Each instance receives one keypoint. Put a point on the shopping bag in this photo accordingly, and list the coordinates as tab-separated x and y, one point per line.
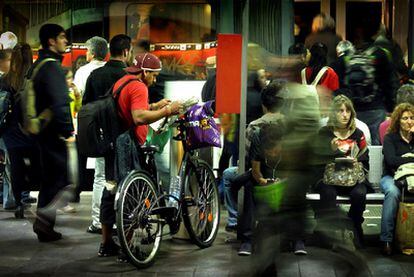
270	195
202	130
405	228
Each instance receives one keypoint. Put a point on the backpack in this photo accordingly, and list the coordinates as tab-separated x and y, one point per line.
360	76
32	122
318	77
6	104
99	124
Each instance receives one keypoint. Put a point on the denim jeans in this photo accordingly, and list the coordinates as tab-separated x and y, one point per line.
373	119
389	208
6	191
229	198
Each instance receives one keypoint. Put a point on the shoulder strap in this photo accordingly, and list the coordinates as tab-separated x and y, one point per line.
320	75
303	74
121	87
39	65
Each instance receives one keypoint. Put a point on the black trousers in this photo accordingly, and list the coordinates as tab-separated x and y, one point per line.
22	175
53	154
357	193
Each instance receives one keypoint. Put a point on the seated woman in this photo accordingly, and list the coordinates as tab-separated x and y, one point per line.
397	142
340	139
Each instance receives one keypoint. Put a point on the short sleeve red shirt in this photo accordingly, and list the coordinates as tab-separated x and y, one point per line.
134	96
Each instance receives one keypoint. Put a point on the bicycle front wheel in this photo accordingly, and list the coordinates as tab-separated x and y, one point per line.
201	206
139	230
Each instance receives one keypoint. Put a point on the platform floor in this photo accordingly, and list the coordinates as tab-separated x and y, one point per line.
76	255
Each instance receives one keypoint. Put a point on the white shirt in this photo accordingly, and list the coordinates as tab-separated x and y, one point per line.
82	74
359	124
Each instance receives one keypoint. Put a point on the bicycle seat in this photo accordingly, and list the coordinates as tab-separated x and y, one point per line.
150	148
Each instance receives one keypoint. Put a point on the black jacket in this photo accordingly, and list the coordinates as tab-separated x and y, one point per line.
102	79
52	92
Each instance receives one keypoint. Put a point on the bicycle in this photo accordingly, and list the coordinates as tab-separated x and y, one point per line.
143	208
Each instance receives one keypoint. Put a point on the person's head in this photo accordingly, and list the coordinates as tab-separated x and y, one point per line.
405	94
120	47
142	46
271	140
5	58
97	48
53	37
322	22
68	75
402	118
319	53
259	79
345	47
147	67
271	101
342	114
8	40
21	60
301	50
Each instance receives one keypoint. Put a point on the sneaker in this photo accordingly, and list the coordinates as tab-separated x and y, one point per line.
300	248
29	200
68	209
94	230
109	249
231	228
245	249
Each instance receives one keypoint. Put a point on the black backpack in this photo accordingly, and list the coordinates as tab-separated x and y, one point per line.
6	104
99	124
360	76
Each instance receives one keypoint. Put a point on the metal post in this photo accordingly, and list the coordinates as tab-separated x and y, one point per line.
243	96
411	34
286	25
226	17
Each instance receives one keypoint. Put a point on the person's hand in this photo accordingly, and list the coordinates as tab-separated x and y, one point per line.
176	107
262	181
412	130
70	139
334	144
161	104
76	92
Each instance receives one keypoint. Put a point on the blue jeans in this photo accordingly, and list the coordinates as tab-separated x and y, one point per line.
6	191
229	198
389	208
373	119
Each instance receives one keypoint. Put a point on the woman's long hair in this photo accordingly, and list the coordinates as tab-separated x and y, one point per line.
318	59
335	106
396	116
21	61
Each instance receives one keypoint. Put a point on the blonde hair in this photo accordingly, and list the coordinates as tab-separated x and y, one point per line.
337	102
322	22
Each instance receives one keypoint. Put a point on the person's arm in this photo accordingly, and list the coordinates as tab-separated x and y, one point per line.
159	105
387	79
143	117
88	93
390	155
257	174
54	85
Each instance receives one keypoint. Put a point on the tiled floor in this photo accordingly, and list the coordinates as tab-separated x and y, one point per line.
22	255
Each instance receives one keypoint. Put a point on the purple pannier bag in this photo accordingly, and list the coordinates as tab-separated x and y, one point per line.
202	130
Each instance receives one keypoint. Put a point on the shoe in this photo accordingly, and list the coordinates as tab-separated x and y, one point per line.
45	233
94	230
231	228
387	249
245	249
300	248
109	249
68	209
19	212
122	257
359	238
29	200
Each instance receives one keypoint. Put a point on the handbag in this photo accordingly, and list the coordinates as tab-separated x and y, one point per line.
344	174
404	231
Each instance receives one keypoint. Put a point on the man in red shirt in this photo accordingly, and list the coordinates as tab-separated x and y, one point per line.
134	110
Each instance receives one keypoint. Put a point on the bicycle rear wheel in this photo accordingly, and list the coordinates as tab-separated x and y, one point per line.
201	206
139	230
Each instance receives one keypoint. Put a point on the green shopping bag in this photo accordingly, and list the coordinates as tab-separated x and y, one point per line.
159	140
270	195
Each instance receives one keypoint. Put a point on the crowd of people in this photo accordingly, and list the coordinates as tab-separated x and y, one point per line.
309	132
